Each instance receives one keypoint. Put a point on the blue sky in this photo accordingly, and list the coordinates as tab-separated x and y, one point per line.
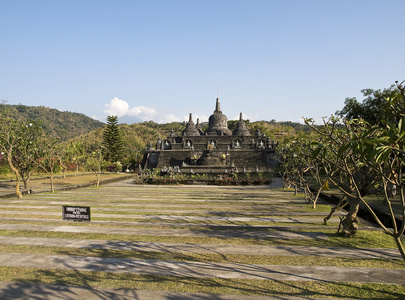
163	59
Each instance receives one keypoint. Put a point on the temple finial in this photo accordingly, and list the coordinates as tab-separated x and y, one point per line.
190	118
218	105
240	117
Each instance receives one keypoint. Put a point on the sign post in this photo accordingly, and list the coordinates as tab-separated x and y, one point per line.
76	213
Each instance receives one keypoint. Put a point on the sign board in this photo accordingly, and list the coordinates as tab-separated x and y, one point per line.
76	213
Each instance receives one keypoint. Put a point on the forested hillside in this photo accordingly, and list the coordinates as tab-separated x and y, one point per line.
70	125
83	136
57	123
137	136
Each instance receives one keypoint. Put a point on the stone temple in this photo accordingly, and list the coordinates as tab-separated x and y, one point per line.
217	150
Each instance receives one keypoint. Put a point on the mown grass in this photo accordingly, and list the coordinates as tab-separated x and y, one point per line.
71	179
363	239
157	212
165	223
304	260
258	199
277	288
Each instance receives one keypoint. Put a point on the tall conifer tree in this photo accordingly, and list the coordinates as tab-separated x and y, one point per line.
112	140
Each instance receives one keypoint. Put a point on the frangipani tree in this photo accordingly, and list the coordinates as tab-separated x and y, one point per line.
18	143
342	165
94	163
357	156
299	168
48	153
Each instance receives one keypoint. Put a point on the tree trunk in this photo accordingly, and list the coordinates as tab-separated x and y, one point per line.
51	178
349	222
25	179
400	246
342	203
17	175
317	197
17	188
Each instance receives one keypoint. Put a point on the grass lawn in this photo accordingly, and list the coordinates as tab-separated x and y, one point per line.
122	205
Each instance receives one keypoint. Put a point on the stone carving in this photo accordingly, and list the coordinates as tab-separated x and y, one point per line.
188	144
166	145
237	144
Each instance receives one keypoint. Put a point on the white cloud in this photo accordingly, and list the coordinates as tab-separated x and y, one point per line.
117	107
142	112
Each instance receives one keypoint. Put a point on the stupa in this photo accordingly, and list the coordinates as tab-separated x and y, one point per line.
217	150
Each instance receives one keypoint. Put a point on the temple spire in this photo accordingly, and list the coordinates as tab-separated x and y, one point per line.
218	105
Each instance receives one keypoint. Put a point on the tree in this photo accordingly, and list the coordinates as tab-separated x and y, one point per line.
94	164
341	164
24	156
48	153
112	140
4	168
298	168
376	106
61	156
18	142
364	156
383	151
75	153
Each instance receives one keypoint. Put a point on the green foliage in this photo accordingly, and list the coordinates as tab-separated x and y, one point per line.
93	163
48	151
135	137
232	124
298	166
57	123
112	140
19	141
4	169
165	128
363	155
279	130
156	177
376	106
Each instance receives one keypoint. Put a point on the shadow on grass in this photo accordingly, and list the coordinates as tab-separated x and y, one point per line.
81	285
77	277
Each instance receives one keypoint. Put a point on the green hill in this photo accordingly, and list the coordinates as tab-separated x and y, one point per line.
63	124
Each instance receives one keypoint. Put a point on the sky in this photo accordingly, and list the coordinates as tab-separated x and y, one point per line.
160	60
